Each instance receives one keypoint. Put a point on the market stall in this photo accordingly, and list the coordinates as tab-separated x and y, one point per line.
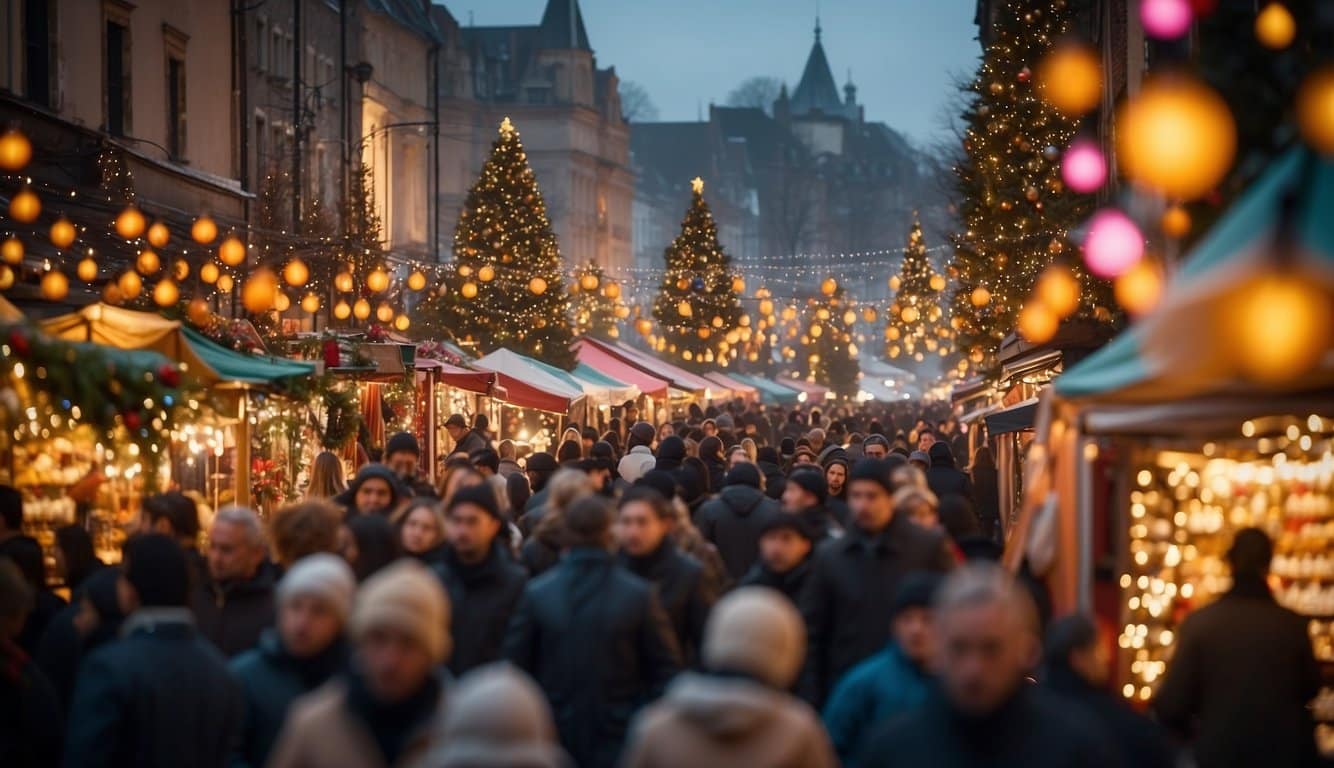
444	389
1152	453
739	389
770	392
653	390
538	402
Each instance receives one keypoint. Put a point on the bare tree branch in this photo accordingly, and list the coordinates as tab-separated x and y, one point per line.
759	91
636	105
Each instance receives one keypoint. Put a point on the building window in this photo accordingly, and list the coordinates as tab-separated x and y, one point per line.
37	48
116	90
176	107
261	144
262	44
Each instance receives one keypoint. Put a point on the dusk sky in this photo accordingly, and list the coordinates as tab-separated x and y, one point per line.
903	53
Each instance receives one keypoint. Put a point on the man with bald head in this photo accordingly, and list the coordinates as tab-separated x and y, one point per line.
984	712
235	603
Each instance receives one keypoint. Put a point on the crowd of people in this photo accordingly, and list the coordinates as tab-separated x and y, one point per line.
737	588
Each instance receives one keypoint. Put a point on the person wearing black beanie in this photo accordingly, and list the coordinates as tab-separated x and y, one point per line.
671	452
771	465
733	520
162	694
784	556
805	494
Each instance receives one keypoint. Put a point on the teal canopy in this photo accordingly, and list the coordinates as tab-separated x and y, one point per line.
1160	357
244	369
771	393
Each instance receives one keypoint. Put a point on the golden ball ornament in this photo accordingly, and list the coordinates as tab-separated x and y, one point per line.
310	303
469	290
130	222
25	206
55	286
111	294
980	297
1058	289
1138	289
1069	78
937	283
1037	323
684	309
1315	110
822	313
716	322
1175	222
588	281
378	280
612	291
621	312
87	270
704	332
204	230
11	251
180	269
643	326
148	262
869	314
226	283
343	282
130	284
738	285
895	283
158	235
829	286
232	251
1275	27
416	280
465	270
537	286
62	233
166	293
282	303
341	310
487	273
1177	137
199	312
766	307
15	150
909	314
402	323
384	313
209	273
361	309
260	291
849	317
296	273
6	277
1282	327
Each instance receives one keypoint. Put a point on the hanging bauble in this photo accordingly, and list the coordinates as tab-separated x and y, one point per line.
341	310
1315	110
588	281
130	222
232	251
416	280
1037	323
1176	137
55	286
378	280
11	251
361	309
697	284
130	284
25	206
909	314
703	332
829	286
203	230
684	309
869	315
1058	289
209	272
937	283
1166	19
1113	245
180	269
165	293
111	294
87	270
895	283
1175	222
1275	27
310	303
199	312
717	321
158	235
537	285
148	262
487	273
738	285
1070	79
296	273
612	291
281	303
226	283
6	277
980	297
62	233
1138	289
1024	75
343	282
1281	327
621	312
15	150
849	317
402	323
384	313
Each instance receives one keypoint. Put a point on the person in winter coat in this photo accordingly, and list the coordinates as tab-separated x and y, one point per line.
853	580
891	682
30	715
26	554
374	491
836	467
543	548
785	556
804	496
986	493
402	454
383	712
497	718
984	712
737	711
1075	669
1243	672
161	696
92	620
541	468
942	477
715	465
466	440
734	520
638	457
371	544
770	465
594	637
643	523
235	604
509	459
296	657
484	584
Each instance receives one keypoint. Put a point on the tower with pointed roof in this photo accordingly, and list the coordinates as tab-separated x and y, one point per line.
815	112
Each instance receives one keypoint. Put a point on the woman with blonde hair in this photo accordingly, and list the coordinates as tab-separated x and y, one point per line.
421	529
752	450
326	477
543	548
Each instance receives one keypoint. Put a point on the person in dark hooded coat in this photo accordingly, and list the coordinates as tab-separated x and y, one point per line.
375	490
711	454
770	465
735	519
942	477
92	619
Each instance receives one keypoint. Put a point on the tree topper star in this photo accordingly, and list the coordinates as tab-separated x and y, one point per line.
506	127
697	184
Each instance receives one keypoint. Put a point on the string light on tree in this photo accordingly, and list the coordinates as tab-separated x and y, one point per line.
917	313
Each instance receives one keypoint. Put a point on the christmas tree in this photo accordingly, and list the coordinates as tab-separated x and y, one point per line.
915	327
829	350
595	303
698	307
1016	213
506	289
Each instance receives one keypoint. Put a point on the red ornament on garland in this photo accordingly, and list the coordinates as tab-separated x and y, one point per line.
132	420
1025	75
18	341
169	375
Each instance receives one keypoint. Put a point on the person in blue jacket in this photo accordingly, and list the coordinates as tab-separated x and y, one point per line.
892	681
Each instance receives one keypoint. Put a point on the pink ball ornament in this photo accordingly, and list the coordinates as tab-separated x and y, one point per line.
1166	19
1113	245
1083	168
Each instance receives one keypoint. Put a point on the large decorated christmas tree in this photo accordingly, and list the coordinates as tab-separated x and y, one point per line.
916	326
1015	211
595	303
506	288
698	307
829	351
